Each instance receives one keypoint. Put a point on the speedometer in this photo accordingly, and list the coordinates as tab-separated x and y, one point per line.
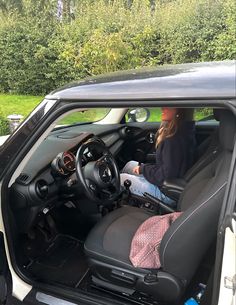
68	161
64	163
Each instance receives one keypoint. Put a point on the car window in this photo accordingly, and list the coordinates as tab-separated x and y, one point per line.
155	115
200	114
87	116
203	114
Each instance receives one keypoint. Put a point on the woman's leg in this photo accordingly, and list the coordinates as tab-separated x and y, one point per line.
139	185
129	166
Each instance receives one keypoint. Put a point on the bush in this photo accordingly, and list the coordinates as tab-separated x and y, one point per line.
104	53
40	53
224	44
4	125
30	61
189	29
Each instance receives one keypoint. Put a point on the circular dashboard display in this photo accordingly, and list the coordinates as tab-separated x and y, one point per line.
68	161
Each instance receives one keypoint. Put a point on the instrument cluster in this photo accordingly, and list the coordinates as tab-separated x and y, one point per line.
64	163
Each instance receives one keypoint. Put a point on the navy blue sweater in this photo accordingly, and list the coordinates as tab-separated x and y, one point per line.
174	156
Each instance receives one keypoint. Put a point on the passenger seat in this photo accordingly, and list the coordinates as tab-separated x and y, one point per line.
210	146
174	187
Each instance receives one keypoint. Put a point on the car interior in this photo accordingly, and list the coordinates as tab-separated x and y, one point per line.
72	222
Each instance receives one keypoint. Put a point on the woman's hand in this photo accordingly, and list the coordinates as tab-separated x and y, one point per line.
136	170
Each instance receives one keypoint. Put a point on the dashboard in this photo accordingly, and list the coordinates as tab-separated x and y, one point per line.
49	177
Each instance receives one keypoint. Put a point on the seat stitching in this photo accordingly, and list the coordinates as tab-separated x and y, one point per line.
188	219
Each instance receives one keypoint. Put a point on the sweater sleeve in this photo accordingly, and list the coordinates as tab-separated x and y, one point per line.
172	157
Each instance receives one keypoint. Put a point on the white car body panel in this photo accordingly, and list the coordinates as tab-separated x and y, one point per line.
20	289
3	139
226	296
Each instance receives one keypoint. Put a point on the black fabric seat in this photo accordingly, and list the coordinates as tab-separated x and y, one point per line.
184	244
108	242
207	151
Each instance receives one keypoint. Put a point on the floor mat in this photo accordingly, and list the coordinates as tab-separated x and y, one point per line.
62	262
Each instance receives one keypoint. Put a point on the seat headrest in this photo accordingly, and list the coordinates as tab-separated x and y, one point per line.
227	129
216	113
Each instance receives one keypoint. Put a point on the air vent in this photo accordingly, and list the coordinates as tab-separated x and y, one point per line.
23	179
41	188
125	132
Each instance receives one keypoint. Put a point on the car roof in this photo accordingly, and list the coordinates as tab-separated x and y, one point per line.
210	80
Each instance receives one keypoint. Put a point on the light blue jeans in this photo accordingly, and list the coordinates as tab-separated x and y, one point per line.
140	184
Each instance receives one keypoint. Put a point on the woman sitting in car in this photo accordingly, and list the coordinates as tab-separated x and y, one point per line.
175	146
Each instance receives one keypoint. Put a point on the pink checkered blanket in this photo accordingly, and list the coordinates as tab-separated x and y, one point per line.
144	252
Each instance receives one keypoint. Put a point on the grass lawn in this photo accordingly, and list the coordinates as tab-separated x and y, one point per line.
18	104
24	104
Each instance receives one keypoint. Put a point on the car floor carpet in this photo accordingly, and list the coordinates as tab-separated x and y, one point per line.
63	262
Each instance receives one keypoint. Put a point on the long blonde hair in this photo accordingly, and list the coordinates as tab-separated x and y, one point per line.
169	128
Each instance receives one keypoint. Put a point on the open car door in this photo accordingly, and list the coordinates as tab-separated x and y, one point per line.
228	272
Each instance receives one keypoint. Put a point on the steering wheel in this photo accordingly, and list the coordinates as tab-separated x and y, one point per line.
99	178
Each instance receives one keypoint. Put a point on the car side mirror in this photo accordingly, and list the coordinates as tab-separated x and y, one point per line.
138	115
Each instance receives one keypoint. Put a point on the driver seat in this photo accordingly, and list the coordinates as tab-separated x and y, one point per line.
184	244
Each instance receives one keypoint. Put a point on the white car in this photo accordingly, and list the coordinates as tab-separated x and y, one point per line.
66	223
3	139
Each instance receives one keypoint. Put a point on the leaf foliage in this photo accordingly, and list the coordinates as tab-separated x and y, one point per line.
39	52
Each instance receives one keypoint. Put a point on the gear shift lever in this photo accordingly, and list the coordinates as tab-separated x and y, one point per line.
127	185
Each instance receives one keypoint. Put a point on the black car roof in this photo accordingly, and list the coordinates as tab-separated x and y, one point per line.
211	80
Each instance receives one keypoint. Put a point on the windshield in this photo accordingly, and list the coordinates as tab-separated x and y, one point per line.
85	116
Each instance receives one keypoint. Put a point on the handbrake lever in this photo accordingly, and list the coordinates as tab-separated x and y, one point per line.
158	202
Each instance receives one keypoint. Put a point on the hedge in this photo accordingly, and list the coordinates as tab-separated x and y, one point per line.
38	52
4	125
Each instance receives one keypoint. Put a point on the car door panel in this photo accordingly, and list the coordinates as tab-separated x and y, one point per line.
139	145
